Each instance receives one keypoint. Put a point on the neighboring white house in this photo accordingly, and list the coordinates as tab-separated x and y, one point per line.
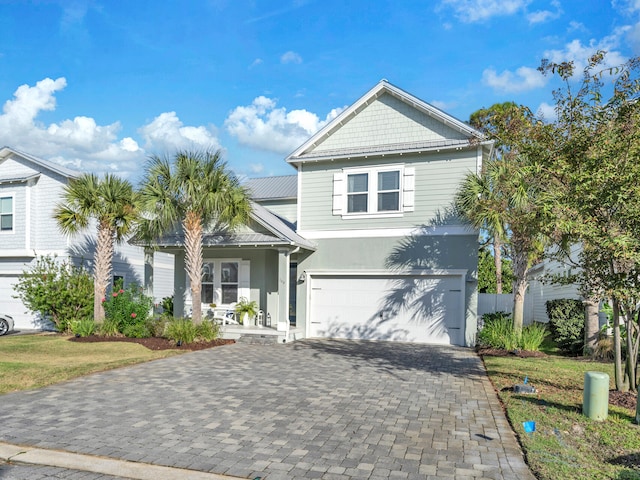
30	189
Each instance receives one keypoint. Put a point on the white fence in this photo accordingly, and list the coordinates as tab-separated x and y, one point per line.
493	302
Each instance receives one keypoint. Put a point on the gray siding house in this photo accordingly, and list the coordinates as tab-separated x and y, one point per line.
30	188
361	243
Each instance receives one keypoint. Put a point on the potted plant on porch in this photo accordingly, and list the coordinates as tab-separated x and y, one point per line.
246	310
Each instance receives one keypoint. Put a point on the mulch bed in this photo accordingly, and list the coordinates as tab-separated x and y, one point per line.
154	343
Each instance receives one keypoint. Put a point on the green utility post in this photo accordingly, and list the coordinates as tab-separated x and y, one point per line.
595	403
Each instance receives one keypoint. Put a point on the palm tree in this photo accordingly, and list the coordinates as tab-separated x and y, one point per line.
480	202
196	190
112	203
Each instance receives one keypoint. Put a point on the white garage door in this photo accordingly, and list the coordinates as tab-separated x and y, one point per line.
13	306
422	309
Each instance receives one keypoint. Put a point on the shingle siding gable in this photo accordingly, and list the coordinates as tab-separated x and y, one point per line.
387	121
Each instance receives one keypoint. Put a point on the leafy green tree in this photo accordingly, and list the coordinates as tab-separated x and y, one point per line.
111	203
487	279
57	290
507	198
593	174
194	191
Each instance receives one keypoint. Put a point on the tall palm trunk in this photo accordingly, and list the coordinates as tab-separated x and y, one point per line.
497	258
102	267
192	226
520	271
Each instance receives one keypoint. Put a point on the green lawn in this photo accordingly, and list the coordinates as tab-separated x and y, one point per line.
566	444
32	361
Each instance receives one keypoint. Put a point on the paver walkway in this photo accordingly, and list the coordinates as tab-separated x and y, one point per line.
311	409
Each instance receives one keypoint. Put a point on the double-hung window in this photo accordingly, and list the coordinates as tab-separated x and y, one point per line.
380	191
389	191
6	214
358	192
220	281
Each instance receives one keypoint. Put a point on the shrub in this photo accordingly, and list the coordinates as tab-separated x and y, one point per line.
157	326
167	306
128	309
57	290
207	330
136	330
181	330
84	327
533	336
109	327
566	322
498	332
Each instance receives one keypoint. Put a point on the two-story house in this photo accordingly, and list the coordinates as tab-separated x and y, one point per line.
361	243
30	189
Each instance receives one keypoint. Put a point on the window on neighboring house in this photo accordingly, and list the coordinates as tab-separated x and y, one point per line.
6	214
220	282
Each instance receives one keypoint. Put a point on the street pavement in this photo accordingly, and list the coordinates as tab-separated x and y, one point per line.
325	409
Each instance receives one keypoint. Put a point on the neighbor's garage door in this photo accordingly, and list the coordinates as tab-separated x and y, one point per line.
13	306
422	309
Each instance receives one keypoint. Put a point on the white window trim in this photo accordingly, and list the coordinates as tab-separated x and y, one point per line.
11	195
243	280
405	196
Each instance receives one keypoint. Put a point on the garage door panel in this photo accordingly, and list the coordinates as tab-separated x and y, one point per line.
13	306
413	308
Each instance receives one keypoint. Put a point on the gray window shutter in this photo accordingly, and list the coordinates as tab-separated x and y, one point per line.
339	193
408	189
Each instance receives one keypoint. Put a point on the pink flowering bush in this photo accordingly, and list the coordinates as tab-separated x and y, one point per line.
127	311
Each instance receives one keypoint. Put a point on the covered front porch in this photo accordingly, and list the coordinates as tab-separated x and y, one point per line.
257	264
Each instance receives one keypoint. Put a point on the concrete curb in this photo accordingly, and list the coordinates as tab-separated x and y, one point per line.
107	466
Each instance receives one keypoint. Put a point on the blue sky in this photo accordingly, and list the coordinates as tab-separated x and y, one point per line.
99	85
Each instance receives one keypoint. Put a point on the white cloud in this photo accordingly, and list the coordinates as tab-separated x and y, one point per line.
257	62
166	132
578	53
575	26
290	57
471	11
523	79
256	167
263	126
542	16
627	6
547	112
80	143
444	106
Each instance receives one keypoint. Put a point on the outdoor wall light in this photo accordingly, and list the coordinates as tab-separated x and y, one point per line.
303	277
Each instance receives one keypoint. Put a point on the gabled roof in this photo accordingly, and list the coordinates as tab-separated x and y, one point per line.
273	188
467	135
278	233
51	166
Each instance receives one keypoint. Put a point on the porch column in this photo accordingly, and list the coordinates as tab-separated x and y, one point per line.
179	284
284	261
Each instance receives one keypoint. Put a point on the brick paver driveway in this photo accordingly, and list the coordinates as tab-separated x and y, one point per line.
312	409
